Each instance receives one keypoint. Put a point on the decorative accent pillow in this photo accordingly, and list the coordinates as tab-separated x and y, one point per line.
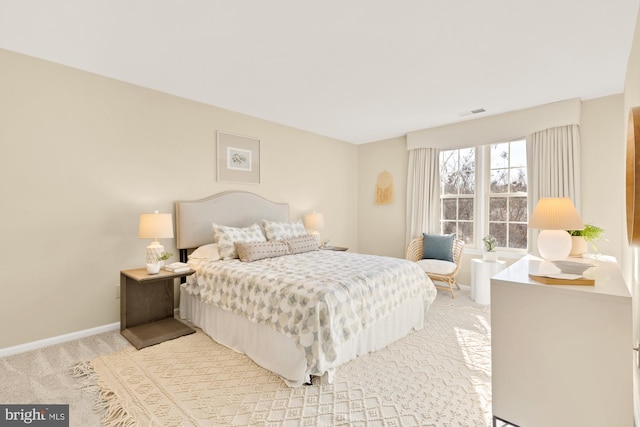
225	237
210	252
283	230
306	243
438	246
253	251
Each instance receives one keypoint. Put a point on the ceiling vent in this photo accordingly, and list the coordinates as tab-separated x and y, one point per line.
476	111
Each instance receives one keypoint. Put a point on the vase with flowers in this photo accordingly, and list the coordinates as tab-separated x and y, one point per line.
154	268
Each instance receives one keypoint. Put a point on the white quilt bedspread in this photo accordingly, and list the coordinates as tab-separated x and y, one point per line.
320	299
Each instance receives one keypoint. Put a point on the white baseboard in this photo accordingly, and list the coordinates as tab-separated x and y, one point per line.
8	351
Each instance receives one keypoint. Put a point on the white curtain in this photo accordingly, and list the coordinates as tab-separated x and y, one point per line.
553	165
423	193
553	157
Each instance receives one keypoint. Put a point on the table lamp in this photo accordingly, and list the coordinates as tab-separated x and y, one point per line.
155	226
314	222
554	216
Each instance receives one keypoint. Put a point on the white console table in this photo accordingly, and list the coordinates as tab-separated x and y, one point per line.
481	273
561	354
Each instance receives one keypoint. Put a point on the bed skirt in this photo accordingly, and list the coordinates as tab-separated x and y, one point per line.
278	353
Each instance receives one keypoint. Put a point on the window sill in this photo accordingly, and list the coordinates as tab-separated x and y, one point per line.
501	254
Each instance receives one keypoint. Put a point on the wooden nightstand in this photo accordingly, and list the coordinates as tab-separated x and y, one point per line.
146	307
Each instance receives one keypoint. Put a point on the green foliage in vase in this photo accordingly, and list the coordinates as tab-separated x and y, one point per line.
590	232
490	242
164	256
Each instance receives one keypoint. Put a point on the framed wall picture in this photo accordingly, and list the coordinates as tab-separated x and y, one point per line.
238	158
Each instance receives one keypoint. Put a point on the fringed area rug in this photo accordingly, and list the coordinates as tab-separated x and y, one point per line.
439	376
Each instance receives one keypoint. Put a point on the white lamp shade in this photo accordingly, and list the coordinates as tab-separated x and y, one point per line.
155	226
556	213
314	221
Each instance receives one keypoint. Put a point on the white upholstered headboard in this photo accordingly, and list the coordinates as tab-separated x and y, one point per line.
194	218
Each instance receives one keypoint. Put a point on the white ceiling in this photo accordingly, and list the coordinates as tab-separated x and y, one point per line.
355	70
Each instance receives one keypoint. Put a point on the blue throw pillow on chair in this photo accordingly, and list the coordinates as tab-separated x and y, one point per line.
438	246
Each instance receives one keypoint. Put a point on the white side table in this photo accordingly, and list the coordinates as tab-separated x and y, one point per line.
481	273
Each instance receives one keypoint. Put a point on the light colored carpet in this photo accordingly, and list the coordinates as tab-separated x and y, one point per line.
439	376
43	377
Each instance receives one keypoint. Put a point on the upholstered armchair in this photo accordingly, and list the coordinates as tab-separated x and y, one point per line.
438	270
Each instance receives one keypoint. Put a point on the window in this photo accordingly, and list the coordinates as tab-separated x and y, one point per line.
500	195
457	193
507	195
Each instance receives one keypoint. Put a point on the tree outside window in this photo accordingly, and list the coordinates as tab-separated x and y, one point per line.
501	195
508	194
457	193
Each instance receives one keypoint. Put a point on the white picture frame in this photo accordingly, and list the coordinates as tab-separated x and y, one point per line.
238	158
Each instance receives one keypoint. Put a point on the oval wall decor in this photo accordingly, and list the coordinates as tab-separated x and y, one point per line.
384	188
633	177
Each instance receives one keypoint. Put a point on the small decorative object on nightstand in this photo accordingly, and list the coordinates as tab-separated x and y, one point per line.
146	307
154	267
334	248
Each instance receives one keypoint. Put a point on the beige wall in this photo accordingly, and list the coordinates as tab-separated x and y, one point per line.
381	227
83	156
603	162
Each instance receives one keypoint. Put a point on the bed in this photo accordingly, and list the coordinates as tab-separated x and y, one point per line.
296	310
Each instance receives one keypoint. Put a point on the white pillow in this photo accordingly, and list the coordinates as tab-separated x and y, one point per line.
225	237
209	252
283	230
